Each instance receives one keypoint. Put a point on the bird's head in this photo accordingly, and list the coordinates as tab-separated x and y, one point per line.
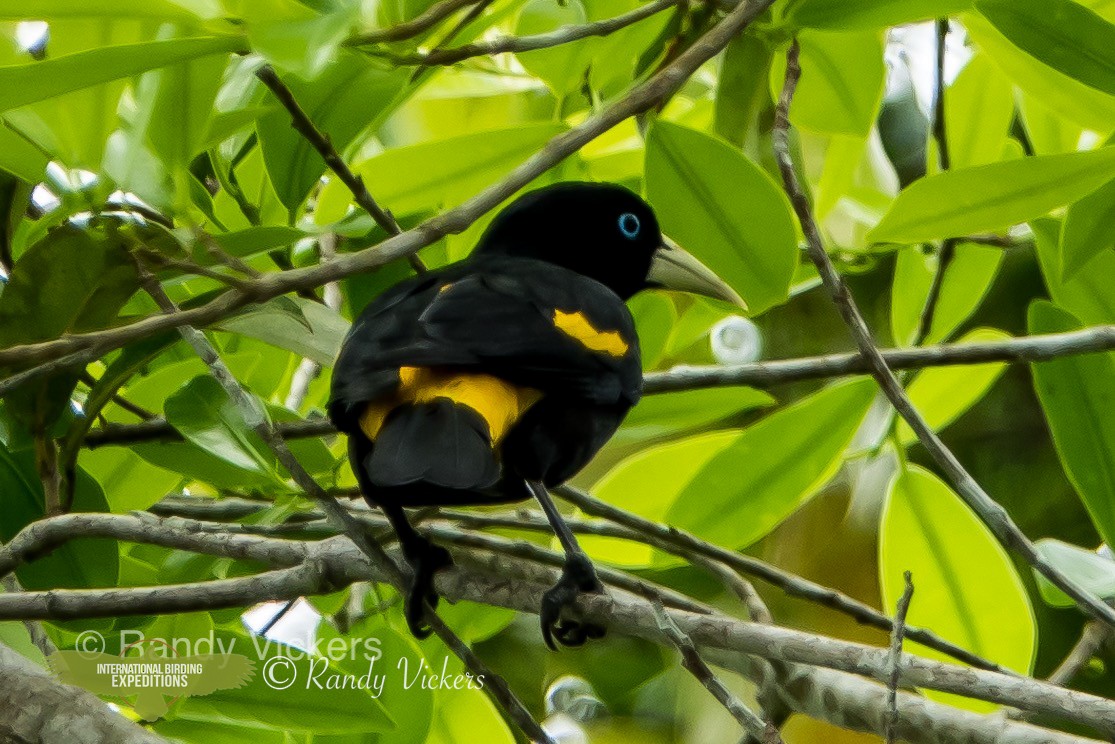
603	231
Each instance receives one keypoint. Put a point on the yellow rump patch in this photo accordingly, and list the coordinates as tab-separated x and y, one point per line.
577	326
497	401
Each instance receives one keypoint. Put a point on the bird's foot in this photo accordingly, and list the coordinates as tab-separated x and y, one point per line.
425	563
577	577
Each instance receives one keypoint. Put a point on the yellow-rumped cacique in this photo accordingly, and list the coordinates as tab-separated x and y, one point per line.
497	377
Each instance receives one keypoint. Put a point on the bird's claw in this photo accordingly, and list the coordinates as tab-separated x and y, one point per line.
425	564
577	577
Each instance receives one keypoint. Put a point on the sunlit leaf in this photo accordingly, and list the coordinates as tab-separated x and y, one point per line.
1089	230
992	197
871	13
1089	294
965	587
841	82
696	184
24	84
1061	33
943	394
437	174
968	278
733	487
205	415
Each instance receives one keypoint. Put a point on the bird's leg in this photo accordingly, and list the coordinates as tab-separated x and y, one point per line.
425	558
577	576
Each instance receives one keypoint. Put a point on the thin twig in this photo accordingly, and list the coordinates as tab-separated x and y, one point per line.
896	637
990	512
1091	641
305	126
520	44
940	135
682	543
84	347
426	20
702	672
255	417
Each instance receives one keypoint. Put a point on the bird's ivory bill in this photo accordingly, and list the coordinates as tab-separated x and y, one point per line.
675	268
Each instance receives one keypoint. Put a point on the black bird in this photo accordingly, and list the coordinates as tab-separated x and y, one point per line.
491	379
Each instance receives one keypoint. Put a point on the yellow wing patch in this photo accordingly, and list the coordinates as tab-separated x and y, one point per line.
577	326
498	402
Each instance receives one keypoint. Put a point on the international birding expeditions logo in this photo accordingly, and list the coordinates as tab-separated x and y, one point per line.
150	674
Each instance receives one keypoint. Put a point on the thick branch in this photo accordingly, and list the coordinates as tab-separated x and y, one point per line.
990	512
336	562
39	709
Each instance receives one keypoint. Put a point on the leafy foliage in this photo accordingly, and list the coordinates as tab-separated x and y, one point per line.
135	139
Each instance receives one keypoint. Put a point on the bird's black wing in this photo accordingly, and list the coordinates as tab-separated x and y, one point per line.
530	323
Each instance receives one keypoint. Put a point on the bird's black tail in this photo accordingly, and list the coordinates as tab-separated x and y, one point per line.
438	443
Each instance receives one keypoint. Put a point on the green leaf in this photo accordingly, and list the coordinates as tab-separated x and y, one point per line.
78	564
992	197
667	414
742	92
1064	96
205	416
1089	294
431	175
343	101
15	636
980	93
1089	230
841	82
875	14
734	487
303	707
1077	394
654	315
1061	33
24	84
965	587
561	67
71	281
316	333
1092	572
125	10
183	107
297	40
942	394
968	278
697	184
20	158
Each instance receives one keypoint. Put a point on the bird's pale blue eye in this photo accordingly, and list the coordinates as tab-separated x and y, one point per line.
629	225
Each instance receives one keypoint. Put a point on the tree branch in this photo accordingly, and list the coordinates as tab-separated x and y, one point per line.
757	374
895	660
39	709
519	44
85	347
990	512
424	21
305	126
695	665
335	562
